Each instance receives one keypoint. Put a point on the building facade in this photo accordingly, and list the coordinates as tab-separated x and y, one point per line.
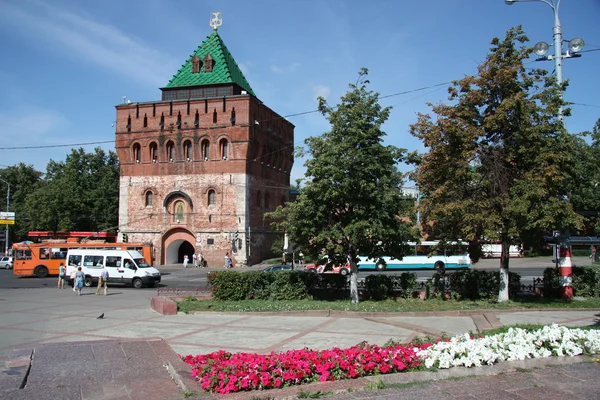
201	166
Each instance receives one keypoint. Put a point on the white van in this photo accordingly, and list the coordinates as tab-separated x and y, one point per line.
126	267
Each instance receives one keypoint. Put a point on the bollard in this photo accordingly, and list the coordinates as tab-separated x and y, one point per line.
565	270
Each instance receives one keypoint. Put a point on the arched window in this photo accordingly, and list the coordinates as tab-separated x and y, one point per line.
137	157
170	151
148	199
178	212
267	200
187	150
212	198
154	152
205	149
224	149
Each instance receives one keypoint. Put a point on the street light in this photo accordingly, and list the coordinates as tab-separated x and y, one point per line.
541	48
7	210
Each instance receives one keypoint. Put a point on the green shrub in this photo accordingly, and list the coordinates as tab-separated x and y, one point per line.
476	284
551	284
407	282
287	285
586	281
231	285
378	287
260	285
235	286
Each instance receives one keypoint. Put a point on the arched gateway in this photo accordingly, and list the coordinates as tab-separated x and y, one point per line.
176	243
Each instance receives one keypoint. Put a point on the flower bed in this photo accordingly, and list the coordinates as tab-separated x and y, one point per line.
516	344
224	372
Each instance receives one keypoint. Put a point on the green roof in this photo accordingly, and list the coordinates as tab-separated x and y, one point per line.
224	71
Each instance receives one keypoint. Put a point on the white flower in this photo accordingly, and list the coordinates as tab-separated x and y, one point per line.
515	344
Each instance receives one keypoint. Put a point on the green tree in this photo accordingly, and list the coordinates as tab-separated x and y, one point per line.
584	188
23	180
81	193
499	159
351	202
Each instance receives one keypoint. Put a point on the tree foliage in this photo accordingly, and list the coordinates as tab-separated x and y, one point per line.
23	180
78	194
352	201
584	188
499	158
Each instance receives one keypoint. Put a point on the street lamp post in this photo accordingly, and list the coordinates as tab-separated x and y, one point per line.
7	210
541	48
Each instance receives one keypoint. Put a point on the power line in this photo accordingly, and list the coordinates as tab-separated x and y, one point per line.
264	120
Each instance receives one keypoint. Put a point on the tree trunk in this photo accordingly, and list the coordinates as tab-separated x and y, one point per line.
354	282
503	294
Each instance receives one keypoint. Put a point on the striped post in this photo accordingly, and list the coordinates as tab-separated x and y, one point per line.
565	270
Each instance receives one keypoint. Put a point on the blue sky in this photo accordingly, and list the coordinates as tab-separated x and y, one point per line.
67	63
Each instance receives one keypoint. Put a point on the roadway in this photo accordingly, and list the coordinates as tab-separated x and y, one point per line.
176	275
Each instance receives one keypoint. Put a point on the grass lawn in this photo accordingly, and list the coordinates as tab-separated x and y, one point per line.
399	305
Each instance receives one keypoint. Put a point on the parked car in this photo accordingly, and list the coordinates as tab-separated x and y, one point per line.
325	266
6	262
274	268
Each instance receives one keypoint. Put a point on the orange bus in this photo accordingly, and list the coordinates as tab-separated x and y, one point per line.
43	259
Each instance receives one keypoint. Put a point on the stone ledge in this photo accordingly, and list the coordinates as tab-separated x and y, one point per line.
163	305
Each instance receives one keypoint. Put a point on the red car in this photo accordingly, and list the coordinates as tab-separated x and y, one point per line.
326	267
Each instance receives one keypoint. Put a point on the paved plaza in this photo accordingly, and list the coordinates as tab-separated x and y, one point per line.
134	349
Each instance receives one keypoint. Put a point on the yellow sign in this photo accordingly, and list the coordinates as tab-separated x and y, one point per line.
7	221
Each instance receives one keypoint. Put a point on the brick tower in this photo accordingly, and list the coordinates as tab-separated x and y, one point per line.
201	166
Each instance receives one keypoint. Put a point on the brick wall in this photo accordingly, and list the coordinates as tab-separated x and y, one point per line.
251	179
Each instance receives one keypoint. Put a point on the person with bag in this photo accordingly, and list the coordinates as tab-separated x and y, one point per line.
79	275
102	281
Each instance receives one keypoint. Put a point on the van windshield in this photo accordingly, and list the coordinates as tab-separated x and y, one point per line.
141	263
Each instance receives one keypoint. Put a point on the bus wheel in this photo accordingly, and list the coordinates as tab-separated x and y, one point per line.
439	267
380	266
343	272
41	271
87	281
137	283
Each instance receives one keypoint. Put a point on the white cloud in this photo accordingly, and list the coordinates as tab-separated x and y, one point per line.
321	91
286	68
88	41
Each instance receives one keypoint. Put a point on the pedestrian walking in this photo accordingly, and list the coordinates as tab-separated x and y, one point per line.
195	260
228	262
102	281
78	281
301	255
61	276
185	261
72	277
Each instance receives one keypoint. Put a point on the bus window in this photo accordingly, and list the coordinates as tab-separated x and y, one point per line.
113	261
58	253
92	261
74	260
23	255
44	253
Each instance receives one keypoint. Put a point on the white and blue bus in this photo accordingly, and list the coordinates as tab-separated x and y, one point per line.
427	255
